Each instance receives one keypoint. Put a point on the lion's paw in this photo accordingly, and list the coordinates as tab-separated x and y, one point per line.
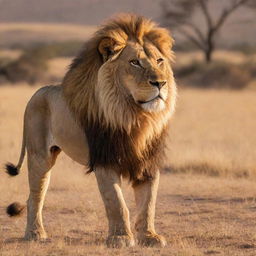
152	240
120	241
35	235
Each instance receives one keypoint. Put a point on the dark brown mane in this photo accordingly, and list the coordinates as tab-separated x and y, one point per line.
115	149
124	145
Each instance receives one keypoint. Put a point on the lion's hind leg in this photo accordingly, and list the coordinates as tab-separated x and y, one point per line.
41	154
39	177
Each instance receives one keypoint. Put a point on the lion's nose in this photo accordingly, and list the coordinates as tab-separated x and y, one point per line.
158	84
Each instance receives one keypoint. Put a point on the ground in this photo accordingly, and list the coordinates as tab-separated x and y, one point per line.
207	197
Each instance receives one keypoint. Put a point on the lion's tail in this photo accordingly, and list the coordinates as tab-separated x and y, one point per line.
16	208
12	169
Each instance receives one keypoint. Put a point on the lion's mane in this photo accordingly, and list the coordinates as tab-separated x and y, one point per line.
120	135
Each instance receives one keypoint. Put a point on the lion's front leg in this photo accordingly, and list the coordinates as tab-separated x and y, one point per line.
145	197
109	183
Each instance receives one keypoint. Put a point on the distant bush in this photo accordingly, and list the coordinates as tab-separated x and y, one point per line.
53	50
32	66
216	75
245	48
4	61
251	66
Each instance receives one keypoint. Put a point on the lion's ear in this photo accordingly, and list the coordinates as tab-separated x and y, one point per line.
163	40
108	47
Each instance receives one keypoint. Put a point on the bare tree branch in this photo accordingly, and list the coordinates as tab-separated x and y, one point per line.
198	32
192	38
227	12
178	13
204	7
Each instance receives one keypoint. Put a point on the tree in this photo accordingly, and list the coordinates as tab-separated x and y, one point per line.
177	14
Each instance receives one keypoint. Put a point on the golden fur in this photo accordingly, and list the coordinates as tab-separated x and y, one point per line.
98	90
110	114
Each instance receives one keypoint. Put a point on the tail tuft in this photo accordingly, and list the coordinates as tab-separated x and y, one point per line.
11	169
15	209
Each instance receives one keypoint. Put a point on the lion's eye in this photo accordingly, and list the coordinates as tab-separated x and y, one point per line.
135	63
160	61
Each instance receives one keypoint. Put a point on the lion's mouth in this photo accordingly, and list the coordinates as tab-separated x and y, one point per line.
156	98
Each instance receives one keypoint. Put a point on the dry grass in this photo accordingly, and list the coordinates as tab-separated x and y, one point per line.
214	132
198	214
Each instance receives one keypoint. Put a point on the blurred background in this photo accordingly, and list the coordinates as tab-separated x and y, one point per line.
207	193
38	38
215	69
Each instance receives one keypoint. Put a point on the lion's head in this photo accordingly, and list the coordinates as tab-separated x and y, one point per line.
122	82
124	68
141	73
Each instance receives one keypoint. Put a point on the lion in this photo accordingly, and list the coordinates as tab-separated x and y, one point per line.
111	114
